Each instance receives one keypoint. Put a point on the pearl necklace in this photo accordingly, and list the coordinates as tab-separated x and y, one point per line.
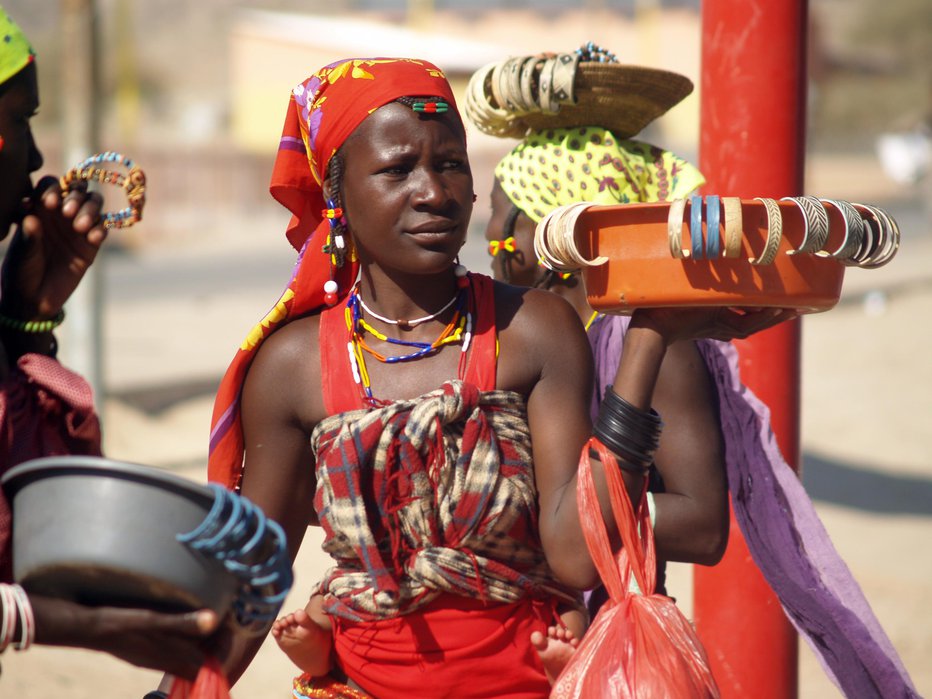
407	323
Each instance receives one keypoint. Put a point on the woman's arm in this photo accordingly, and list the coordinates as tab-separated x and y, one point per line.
175	643
558	416
548	341
692	512
280	405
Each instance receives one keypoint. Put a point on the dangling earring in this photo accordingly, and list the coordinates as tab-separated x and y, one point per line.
335	248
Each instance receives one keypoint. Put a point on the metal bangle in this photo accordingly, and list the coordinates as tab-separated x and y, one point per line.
564	78
713	217
774	232
695	226
511	75
527	82
496	85
815	221
548	104
854	230
889	239
733	226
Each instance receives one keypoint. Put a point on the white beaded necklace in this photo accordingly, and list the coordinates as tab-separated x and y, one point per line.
414	321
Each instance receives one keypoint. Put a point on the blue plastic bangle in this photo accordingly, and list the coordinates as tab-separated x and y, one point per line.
712	219
695	226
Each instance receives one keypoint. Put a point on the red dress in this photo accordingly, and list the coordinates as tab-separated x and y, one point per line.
429	511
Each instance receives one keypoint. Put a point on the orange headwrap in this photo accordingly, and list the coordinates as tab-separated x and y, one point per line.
322	112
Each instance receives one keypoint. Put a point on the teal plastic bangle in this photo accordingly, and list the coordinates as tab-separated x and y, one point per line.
33	326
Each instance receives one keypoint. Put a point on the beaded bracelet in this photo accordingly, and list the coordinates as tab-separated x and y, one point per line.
134	182
32	326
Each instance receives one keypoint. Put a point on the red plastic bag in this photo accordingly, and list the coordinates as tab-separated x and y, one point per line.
639	646
210	683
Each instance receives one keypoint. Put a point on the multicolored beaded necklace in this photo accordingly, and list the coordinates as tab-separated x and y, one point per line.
459	329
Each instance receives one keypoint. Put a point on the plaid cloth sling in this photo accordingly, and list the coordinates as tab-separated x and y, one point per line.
430	495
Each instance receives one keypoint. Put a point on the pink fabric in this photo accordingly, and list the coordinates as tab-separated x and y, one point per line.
45	410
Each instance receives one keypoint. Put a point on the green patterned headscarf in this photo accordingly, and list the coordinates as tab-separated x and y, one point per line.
15	51
556	167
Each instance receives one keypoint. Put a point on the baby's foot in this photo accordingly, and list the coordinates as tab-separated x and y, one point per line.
555	649
305	642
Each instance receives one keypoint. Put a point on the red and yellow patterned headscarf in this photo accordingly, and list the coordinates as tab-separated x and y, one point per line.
322	112
15	51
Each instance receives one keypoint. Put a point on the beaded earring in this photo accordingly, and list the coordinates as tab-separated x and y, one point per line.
335	248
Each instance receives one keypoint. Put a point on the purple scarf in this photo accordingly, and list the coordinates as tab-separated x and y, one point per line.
783	532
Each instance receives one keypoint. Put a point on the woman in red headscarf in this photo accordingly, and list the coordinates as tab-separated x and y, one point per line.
412	409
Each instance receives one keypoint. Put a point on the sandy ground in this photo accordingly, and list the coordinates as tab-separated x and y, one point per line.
865	436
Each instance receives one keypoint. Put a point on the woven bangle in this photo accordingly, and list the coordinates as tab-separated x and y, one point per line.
32	326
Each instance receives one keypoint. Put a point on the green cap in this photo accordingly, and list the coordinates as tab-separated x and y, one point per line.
15	51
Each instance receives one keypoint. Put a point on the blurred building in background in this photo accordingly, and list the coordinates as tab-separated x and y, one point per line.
197	91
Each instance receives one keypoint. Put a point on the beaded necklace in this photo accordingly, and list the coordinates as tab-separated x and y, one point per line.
408	323
459	329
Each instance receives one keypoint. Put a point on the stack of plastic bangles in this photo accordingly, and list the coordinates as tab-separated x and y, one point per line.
630	432
15	606
253	549
96	168
871	237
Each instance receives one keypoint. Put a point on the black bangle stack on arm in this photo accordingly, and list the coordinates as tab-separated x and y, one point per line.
631	433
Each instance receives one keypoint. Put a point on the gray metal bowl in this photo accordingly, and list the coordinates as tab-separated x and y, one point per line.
99	531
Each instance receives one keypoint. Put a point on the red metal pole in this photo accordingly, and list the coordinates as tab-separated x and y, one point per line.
753	92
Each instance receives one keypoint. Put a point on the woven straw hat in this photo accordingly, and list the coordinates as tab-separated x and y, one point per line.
570	89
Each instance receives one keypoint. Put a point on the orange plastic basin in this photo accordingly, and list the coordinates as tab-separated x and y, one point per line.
642	273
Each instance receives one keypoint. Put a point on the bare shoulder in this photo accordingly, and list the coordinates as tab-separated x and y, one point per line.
284	378
525	310
536	329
